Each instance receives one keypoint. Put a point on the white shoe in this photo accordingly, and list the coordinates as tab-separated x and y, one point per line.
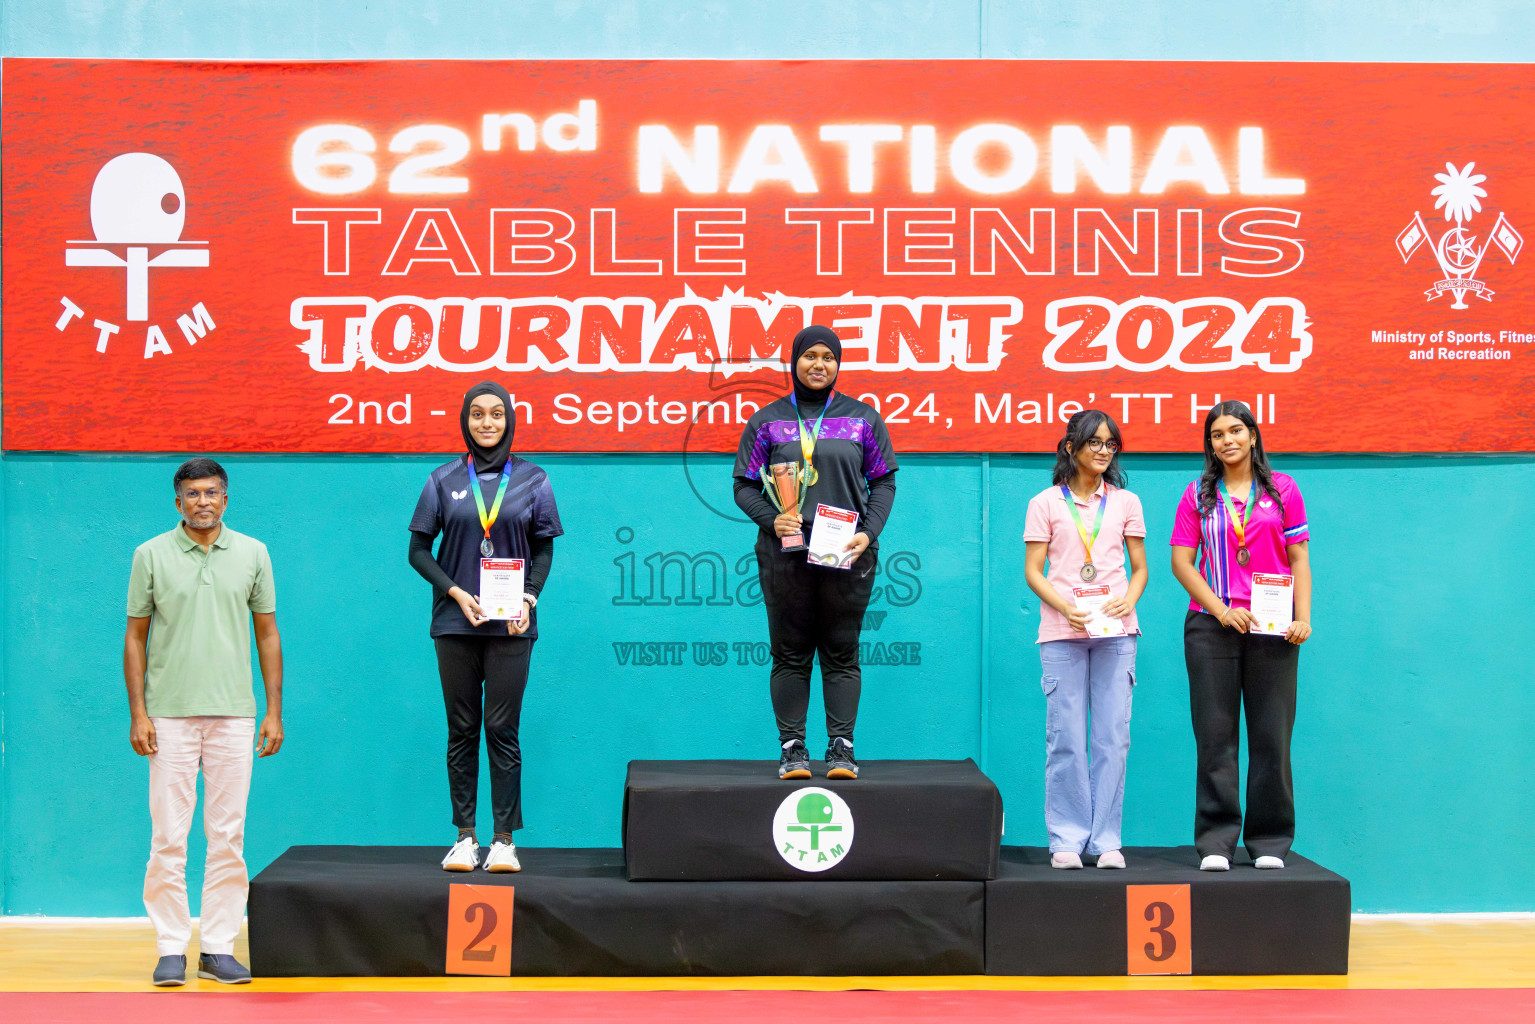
1064	859
1268	863
1111	859
1215	862
465	855
502	858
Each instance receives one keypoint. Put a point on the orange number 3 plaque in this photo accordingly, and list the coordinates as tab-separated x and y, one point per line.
480	929
1157	929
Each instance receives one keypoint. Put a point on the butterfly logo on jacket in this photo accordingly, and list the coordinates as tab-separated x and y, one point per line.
460	495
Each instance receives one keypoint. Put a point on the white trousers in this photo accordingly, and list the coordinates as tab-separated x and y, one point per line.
223	748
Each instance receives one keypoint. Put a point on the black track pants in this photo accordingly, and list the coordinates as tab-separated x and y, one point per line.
814	610
483	679
1229	673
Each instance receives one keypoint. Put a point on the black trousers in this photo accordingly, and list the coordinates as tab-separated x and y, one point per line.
1231	672
483	679
814	611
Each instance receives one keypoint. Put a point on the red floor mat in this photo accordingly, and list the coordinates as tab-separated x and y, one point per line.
1364	1006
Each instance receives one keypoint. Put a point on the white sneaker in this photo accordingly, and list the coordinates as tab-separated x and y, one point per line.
1065	859
1111	859
1215	862
1268	863
502	858
465	855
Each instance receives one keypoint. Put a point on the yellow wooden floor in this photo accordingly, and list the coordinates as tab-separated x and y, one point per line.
37	955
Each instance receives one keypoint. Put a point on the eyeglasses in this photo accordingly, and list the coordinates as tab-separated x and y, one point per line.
212	494
1103	446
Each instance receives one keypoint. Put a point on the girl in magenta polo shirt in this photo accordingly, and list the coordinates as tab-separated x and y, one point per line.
1240	518
1082	525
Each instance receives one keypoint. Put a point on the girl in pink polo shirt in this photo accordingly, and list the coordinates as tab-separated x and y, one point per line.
1082	526
1238	519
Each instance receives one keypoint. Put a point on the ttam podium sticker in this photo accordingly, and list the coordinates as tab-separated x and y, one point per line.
1157	929
813	829
480	929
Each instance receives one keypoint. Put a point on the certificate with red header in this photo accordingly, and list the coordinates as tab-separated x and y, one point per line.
1093	599
830	534
501	587
1273	603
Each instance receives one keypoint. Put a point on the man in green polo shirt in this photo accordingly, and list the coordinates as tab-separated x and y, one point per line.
192	594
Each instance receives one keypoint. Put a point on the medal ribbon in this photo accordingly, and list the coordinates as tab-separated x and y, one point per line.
808	438
1076	517
489	520
1238	524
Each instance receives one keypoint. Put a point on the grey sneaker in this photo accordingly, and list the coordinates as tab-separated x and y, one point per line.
839	760
794	762
222	968
171	971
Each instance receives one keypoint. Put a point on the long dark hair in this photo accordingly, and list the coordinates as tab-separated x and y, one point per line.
1079	430
1215	468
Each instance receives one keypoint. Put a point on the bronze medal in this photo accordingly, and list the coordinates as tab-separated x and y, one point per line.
1243	556
1088	572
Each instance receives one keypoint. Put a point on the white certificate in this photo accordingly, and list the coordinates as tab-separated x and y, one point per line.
1093	599
832	531
1273	604
501	582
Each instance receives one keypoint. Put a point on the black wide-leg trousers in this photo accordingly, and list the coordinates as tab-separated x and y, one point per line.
1229	673
483	680
814	611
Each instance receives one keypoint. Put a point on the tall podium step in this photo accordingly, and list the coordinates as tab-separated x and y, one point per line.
736	820
1040	920
383	911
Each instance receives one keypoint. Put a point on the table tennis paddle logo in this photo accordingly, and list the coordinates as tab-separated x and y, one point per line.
813	829
1459	194
138	213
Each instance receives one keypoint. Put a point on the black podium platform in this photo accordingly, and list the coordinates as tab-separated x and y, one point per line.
1041	920
713	820
382	911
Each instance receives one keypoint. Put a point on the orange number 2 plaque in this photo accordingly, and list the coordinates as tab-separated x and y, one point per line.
1157	929
480	929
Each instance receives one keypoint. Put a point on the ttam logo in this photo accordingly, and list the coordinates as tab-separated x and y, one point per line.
138	211
813	829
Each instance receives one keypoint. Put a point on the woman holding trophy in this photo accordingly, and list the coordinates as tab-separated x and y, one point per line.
816	472
498	521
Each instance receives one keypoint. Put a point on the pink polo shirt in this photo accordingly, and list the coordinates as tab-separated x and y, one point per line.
1269	531
1049	520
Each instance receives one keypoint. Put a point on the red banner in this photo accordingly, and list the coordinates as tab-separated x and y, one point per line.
292	257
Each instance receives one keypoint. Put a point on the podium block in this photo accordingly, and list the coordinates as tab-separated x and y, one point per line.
383	911
721	820
1044	921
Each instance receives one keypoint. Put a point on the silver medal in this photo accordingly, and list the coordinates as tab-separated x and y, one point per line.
487	548
1088	572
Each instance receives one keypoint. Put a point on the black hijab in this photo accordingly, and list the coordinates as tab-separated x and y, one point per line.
815	334
488	460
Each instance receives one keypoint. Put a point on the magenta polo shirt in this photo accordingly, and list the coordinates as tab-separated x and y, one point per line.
1268	533
1049	520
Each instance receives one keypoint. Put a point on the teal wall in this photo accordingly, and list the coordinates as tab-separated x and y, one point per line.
1413	745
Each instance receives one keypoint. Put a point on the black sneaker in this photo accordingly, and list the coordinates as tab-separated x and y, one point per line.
794	762
171	971
222	968
839	760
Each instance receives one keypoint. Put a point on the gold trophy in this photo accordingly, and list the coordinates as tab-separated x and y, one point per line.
781	481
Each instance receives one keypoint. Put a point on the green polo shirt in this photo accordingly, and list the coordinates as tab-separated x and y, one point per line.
199	604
